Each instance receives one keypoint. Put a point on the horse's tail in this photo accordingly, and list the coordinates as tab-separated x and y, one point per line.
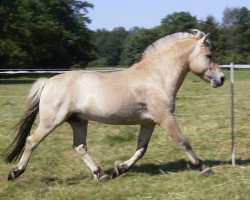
23	127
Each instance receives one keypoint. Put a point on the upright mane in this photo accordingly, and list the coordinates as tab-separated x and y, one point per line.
167	40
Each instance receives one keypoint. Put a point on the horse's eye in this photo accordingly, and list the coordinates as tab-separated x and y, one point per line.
209	56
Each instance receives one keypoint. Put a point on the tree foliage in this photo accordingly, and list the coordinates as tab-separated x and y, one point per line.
230	39
135	44
236	32
178	22
109	45
44	33
54	34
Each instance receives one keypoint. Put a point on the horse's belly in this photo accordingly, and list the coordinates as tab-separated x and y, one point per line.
119	118
112	108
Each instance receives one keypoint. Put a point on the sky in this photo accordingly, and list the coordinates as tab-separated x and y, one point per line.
109	14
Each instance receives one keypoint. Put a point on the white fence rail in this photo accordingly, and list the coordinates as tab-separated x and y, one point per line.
236	66
53	71
106	69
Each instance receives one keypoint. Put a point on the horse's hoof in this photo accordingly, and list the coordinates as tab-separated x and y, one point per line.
207	172
11	176
14	173
119	170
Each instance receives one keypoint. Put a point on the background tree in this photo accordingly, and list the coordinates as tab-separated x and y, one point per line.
137	41
54	33
230	39
177	22
44	34
236	34
211	26
109	46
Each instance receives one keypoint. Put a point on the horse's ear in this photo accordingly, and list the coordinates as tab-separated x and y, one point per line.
203	39
197	33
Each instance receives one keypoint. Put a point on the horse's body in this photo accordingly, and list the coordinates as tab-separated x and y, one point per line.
143	94
110	98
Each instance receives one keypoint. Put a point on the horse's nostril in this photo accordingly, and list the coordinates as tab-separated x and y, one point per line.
222	79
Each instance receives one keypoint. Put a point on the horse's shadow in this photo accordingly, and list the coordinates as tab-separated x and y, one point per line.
150	168
179	165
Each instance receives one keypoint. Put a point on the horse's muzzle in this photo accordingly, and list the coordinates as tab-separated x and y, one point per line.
217	81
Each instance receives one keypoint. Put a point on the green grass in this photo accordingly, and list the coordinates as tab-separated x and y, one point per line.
55	171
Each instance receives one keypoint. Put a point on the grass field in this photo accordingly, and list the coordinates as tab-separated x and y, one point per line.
55	171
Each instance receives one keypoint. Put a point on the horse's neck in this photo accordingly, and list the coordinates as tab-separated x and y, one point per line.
172	71
170	66
173	76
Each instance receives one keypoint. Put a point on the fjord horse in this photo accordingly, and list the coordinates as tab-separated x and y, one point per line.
143	94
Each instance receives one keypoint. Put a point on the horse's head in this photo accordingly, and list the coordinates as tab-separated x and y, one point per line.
201	62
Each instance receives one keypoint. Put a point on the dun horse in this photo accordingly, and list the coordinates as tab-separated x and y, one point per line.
143	94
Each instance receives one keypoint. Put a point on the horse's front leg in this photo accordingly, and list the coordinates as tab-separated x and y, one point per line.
142	144
170	125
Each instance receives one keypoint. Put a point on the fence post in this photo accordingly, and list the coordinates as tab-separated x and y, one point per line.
232	112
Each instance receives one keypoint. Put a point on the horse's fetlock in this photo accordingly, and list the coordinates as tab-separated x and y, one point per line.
100	175
120	169
123	168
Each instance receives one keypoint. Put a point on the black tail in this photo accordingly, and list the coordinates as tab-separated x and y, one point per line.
23	127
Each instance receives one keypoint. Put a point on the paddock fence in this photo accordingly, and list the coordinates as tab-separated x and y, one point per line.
232	67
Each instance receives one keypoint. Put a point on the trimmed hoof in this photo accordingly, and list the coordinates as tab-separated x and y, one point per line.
14	173
119	170
207	172
100	175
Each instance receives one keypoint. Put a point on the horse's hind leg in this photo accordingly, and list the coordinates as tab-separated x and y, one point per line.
31	143
142	144
79	127
48	122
